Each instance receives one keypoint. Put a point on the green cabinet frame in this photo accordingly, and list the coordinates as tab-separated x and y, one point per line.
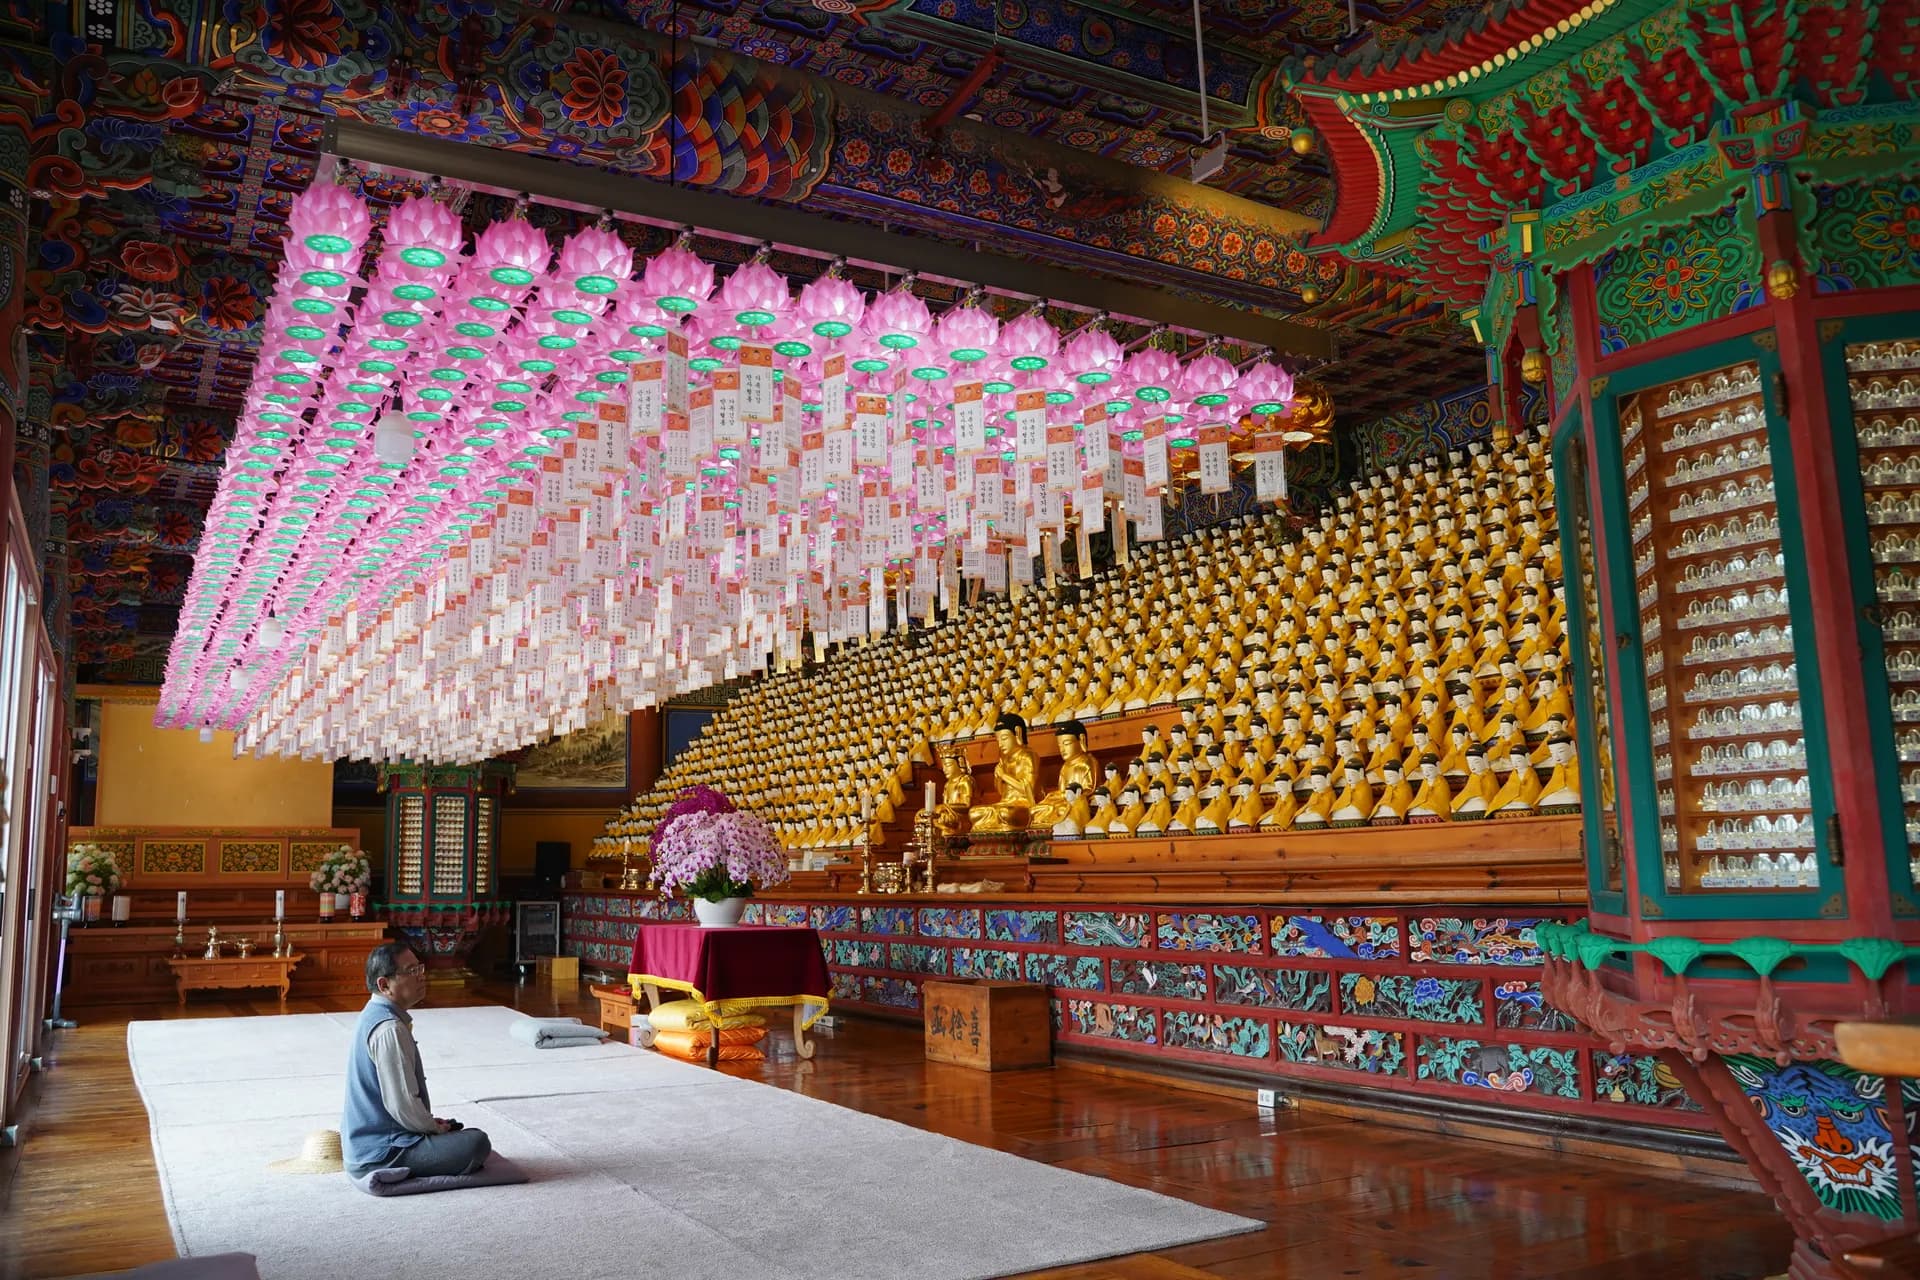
1633	740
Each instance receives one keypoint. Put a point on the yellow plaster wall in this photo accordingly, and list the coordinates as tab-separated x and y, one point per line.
168	777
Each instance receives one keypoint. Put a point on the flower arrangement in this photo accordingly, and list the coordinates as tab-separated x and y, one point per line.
712	852
692	800
345	870
91	871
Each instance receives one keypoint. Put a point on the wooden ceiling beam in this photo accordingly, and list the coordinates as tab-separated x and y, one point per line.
578	186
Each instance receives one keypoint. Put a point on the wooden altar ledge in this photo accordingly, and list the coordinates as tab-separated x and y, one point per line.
1515	860
133	965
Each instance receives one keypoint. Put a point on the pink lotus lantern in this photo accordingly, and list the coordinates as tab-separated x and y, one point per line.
1029	342
966	335
830	307
595	262
1266	389
1151	376
640	322
1209	381
755	295
1092	357
422	233
328	220
899	321
508	256
677	280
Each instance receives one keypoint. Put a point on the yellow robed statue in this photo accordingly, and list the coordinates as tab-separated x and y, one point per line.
1075	766
956	792
1013	778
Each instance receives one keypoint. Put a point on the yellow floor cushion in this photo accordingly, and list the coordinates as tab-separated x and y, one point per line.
686	1015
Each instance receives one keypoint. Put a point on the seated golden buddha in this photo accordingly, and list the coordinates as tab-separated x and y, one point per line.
1076	769
1013	778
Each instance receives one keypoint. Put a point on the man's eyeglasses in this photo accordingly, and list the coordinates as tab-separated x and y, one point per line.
410	970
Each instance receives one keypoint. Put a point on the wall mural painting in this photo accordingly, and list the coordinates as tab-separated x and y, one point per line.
591	758
1832	1122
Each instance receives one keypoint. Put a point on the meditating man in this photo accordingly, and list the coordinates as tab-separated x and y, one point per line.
389	1123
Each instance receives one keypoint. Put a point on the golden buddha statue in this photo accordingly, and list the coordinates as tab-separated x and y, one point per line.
1518	796
1434	801
956	793
1561	791
1013	779
1076	769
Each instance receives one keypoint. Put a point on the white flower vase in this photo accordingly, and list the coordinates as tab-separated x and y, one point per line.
718	914
341	901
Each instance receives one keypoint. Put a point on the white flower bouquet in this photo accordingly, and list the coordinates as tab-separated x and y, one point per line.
91	871
345	870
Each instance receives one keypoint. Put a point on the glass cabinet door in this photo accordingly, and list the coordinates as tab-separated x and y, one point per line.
1875	386
1737	810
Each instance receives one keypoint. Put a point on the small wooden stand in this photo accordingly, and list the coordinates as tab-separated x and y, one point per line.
198	972
616	1009
986	1024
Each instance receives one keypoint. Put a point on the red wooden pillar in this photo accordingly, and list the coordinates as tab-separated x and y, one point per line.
1803	397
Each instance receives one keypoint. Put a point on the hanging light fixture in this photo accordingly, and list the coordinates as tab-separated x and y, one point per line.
393	440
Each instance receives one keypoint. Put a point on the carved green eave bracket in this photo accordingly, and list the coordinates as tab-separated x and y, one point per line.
1873	957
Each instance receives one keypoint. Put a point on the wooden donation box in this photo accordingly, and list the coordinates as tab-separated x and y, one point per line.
993	1026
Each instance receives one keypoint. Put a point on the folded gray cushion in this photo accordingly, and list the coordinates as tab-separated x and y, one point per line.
498	1171
554	1033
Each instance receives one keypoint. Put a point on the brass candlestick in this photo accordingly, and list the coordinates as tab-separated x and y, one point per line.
280	947
180	938
927	840
213	943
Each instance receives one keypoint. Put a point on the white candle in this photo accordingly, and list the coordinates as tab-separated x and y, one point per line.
866	810
279	904
932	790
180	905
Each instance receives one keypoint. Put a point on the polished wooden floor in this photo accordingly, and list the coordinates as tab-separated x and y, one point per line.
1343	1198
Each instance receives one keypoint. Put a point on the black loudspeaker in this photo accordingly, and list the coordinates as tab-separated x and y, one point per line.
551	861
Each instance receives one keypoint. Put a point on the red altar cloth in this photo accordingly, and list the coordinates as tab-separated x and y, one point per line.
761	963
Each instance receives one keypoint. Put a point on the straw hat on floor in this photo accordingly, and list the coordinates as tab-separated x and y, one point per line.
319	1153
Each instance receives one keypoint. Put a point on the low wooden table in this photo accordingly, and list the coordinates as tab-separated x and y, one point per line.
198	972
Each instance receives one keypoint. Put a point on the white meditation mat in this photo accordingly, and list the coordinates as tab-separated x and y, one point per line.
632	1155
